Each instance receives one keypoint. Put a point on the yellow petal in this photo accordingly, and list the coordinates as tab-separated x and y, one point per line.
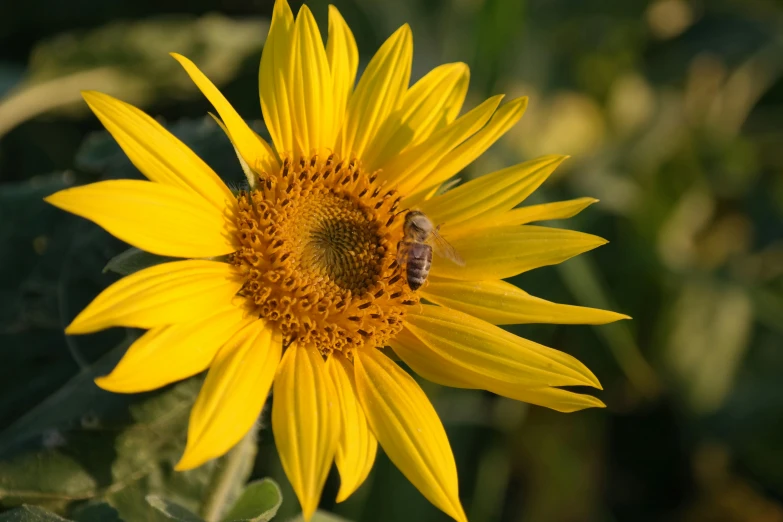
408	429
499	302
501	252
491	194
408	170
156	152
305	422
487	350
168	354
564	401
312	101
544	212
162	219
428	106
455	98
506	117
274	78
380	92
343	58
255	151
426	194
233	393
253	179
357	447
169	293
439	370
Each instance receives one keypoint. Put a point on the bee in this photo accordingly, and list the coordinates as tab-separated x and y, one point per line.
415	250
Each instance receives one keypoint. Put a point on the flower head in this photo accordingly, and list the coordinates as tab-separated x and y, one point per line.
298	281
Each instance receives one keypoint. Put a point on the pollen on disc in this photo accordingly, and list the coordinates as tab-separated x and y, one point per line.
318	241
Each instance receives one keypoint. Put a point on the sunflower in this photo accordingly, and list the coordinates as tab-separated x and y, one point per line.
296	284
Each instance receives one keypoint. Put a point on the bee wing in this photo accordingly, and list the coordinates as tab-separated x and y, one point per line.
442	248
402	253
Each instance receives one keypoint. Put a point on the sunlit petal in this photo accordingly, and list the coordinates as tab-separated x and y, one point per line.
357	447
253	178
157	218
491	194
165	294
274	78
343	56
305	422
544	212
312	101
500	252
233	393
156	152
499	302
256	152
440	370
506	117
431	104
490	351
168	354
408	429
380	91
411	168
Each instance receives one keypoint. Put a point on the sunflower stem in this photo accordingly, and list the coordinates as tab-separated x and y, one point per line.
229	477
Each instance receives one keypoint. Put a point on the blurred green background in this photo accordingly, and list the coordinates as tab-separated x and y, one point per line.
672	111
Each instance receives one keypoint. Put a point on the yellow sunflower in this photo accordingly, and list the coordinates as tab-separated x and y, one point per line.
295	283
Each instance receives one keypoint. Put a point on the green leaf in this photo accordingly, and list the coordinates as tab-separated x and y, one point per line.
51	265
35	239
95	512
259	502
147	452
230	477
133	260
30	514
70	402
49	478
171	510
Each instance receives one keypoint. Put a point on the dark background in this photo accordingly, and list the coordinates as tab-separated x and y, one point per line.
672	112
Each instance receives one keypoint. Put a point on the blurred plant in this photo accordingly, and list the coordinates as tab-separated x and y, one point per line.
129	60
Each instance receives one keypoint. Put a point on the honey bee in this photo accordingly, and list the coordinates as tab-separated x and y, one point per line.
415	250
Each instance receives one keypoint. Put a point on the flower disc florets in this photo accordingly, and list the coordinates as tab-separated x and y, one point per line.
318	245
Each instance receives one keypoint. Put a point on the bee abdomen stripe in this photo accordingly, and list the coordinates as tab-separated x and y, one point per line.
419	263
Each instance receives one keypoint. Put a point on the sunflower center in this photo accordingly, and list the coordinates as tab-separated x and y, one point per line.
332	237
318	244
